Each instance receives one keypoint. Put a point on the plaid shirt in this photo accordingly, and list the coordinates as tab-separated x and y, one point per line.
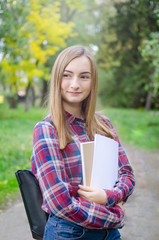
59	173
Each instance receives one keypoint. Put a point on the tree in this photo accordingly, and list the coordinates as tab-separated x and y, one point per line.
12	19
48	35
150	51
130	23
36	37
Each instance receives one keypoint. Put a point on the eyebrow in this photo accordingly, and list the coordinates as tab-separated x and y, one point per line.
80	73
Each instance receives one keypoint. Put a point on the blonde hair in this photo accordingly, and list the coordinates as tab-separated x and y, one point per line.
95	122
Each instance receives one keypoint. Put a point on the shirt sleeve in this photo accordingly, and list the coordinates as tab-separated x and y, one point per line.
126	179
58	193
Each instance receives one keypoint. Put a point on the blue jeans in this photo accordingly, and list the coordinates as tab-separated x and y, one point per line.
57	228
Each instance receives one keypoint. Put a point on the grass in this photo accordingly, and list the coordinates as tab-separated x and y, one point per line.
139	128
16	129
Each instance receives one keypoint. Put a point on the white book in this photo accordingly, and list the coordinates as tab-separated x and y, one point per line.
100	162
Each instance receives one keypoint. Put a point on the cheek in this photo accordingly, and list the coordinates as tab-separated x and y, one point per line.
64	84
88	86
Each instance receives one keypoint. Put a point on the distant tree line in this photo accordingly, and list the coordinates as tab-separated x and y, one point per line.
129	53
123	34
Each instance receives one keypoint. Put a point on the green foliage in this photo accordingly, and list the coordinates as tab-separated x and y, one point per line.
74	4
32	31
84	19
122	34
150	51
13	14
125	30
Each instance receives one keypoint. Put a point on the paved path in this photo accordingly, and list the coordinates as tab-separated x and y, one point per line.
142	208
14	224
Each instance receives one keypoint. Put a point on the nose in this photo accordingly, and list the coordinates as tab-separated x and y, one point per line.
75	83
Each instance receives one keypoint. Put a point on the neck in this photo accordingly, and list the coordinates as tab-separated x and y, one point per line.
74	110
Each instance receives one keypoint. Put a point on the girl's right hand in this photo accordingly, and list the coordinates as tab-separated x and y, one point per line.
93	194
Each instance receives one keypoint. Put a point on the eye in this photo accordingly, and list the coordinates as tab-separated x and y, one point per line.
66	75
85	77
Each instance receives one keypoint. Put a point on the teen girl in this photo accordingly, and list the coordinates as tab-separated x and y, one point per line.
76	211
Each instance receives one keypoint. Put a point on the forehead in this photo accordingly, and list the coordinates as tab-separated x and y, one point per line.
79	64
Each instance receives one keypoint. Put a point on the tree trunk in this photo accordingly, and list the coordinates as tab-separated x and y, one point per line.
30	97
150	93
12	101
149	100
44	95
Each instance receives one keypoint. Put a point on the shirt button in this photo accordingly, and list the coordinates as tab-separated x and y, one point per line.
70	207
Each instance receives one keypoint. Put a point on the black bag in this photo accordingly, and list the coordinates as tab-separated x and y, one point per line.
32	199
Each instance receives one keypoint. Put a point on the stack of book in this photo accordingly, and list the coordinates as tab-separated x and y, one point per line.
100	162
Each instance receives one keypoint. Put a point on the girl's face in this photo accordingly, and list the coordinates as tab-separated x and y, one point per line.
76	82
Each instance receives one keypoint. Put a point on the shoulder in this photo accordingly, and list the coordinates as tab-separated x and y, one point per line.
104	119
47	121
44	128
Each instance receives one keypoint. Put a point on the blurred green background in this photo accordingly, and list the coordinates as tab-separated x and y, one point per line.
124	37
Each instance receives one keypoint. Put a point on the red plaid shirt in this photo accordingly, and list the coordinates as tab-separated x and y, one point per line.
59	173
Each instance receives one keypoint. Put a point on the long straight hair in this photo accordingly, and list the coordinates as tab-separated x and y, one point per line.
95	122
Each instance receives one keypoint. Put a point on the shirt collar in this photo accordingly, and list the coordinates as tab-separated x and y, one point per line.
71	118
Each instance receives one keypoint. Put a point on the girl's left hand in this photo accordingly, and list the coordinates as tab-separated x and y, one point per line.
93	194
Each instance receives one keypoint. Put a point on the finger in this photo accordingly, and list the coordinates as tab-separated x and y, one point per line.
121	203
82	194
86	188
121	206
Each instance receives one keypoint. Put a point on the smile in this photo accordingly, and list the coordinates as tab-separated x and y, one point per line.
73	93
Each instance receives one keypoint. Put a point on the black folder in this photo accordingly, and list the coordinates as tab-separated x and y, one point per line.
32	199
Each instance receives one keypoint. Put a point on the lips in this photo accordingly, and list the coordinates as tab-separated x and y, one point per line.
73	93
